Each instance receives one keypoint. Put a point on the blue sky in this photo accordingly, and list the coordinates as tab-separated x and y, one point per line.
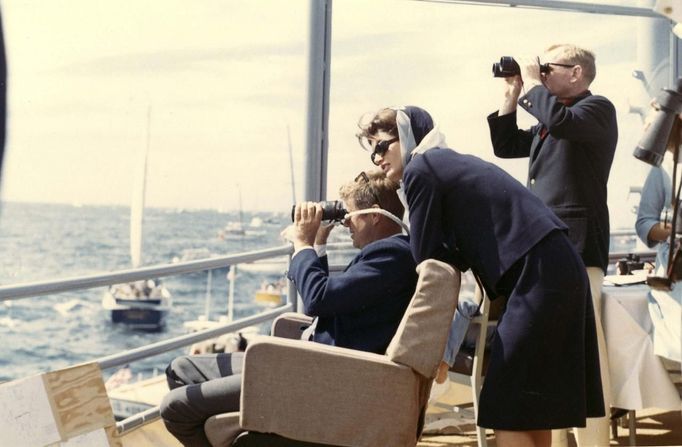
224	79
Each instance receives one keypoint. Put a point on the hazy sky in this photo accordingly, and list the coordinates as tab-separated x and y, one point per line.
224	79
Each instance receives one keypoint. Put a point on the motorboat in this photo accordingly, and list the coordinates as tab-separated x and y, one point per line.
271	293
140	305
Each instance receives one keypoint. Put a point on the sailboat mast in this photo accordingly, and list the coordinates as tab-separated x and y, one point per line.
291	167
138	198
241	210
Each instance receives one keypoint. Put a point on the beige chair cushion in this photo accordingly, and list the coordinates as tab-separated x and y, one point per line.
290	325
222	429
421	337
326	394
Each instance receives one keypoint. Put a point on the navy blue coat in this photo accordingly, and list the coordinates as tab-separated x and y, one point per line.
472	214
570	155
361	307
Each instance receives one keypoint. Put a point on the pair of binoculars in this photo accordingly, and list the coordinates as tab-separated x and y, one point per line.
508	67
332	210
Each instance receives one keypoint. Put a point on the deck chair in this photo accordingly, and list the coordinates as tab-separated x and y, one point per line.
470	365
308	394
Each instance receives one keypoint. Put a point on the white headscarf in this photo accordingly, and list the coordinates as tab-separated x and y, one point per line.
417	134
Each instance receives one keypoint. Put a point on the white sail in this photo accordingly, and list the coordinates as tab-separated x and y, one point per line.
137	201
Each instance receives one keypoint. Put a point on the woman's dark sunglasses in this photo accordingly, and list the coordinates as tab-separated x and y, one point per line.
381	147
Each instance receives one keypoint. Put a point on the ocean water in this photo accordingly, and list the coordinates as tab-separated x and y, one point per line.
45	241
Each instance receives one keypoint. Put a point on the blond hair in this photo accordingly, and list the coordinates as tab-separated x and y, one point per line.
578	56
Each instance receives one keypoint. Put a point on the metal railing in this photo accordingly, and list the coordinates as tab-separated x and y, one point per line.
41	288
27	290
123	358
150	350
565	6
646	255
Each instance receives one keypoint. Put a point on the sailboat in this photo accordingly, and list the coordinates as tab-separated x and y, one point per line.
234	229
139	304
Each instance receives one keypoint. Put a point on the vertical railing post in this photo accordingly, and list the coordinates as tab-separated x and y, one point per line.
317	107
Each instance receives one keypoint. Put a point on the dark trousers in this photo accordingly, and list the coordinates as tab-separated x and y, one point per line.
201	386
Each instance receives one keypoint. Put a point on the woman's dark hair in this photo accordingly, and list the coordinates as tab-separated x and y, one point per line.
383	120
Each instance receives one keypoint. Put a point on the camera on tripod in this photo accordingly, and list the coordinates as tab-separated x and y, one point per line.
627	265
652	146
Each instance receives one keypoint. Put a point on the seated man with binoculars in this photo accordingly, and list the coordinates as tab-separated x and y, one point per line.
570	154
359	308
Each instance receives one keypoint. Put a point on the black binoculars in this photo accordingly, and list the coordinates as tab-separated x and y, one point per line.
332	210
508	67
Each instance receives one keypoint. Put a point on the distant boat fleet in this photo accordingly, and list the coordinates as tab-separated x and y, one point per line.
237	230
144	305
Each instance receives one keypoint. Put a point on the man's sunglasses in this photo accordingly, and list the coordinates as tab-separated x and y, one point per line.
547	67
363	177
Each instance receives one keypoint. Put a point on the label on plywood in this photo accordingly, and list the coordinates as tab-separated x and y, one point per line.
26	417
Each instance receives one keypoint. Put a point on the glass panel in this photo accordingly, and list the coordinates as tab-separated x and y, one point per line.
439	56
210	88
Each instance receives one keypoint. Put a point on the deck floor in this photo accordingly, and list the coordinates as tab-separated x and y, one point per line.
654	427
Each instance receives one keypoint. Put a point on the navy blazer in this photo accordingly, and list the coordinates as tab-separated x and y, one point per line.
470	213
570	155
361	307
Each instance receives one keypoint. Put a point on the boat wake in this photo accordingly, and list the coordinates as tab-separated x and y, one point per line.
66	307
9	322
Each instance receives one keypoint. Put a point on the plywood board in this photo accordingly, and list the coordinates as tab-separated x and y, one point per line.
79	400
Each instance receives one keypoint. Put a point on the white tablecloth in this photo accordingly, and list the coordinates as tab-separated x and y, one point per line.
638	378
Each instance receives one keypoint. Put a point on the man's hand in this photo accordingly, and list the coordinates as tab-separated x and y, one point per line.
323	234
307	219
512	92
530	72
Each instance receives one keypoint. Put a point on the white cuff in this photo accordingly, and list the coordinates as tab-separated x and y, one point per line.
305	247
321	250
